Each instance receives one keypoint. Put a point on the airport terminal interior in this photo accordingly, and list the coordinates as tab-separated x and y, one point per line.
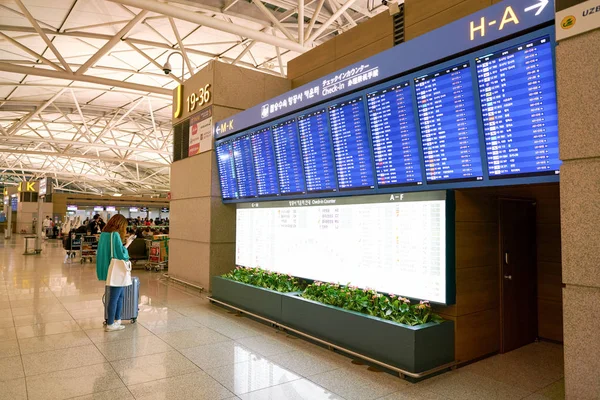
299	199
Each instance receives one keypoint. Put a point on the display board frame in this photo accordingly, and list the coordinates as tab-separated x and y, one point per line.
397	197
471	59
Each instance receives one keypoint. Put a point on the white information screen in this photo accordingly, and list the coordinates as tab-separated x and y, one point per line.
392	243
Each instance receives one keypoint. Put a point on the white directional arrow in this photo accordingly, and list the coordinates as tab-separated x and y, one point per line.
540	7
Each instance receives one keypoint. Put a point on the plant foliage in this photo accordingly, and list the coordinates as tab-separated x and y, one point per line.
368	301
266	279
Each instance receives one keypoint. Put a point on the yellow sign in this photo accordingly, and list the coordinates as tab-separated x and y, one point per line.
509	17
179	99
198	100
568	22
29	187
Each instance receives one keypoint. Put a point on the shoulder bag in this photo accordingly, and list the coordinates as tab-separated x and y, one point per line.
119	271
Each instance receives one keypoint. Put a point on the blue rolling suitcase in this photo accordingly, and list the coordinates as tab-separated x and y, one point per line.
131	297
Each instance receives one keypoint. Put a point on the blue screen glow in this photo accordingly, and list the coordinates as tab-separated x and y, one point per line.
264	163
316	152
449	125
242	155
287	153
226	166
518	104
394	135
351	145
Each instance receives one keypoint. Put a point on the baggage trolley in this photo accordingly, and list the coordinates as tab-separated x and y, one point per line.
89	248
158	254
72	245
131	296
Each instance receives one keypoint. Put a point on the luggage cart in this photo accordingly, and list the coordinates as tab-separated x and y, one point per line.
89	247
72	245
158	254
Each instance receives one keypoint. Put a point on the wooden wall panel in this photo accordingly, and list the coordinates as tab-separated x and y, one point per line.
476	335
365	34
314	74
476	244
416	27
364	52
550	319
311	60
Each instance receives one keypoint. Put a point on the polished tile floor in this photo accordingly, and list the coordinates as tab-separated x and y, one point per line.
52	346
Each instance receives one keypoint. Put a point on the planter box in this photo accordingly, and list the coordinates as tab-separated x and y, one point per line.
411	348
264	302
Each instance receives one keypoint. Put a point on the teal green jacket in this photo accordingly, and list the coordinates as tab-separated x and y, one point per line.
103	253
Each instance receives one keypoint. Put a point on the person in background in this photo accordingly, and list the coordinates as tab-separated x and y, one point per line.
101	224
148	222
114	307
47	225
92	227
157	221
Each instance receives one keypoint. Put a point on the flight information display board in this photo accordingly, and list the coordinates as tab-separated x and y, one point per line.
351	149
394	136
317	155
287	153
449	125
226	167
264	163
393	243
242	155
518	104
484	119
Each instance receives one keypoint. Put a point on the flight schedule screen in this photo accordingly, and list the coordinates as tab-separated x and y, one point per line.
394	136
264	163
351	145
226	166
242	155
393	243
518	103
287	154
317	153
449	125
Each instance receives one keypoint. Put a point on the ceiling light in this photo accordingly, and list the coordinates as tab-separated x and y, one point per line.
117	194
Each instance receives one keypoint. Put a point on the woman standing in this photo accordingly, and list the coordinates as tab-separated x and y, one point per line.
115	231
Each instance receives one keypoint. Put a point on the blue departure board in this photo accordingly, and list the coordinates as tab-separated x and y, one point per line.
317	153
518	104
352	152
394	136
448	122
264	163
244	170
226	166
287	154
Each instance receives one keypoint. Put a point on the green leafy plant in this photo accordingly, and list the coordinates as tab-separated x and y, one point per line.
266	279
368	301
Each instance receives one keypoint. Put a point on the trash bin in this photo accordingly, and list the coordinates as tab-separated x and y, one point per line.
29	245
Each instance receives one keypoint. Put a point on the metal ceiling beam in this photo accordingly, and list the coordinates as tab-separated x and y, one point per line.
330	21
311	25
111	43
17	69
181	47
12	28
273	19
149	164
152	61
40	32
301	22
30	139
31	52
185	15
26	119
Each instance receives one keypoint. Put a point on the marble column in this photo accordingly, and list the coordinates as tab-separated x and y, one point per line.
578	84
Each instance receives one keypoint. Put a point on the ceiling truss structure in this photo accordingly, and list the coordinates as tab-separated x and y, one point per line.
84	100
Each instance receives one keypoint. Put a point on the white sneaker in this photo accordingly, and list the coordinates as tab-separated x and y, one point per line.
114	327
117	322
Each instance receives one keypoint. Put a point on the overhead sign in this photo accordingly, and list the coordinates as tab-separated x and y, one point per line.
578	19
201	129
27	187
503	19
45	186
